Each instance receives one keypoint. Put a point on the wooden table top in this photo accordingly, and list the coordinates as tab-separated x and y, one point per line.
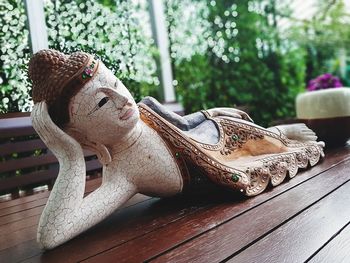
304	219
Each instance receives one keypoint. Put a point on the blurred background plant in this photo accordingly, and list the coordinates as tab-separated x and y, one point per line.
257	54
253	54
110	29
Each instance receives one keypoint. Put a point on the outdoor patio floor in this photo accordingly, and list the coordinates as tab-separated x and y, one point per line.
303	219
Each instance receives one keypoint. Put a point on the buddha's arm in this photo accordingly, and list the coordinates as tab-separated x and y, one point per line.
192	120
67	213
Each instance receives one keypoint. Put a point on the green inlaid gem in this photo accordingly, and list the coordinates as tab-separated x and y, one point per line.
235	137
235	178
177	155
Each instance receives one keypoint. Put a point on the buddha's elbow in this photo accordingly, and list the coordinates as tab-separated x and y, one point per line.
47	240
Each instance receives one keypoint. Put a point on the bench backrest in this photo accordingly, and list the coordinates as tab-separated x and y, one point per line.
25	161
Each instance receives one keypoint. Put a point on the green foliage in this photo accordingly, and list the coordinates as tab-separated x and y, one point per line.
224	53
112	30
325	37
14	56
245	62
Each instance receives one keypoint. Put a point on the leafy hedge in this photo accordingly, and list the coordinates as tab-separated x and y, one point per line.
244	63
224	53
114	33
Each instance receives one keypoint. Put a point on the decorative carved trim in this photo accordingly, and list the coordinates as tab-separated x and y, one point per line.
251	178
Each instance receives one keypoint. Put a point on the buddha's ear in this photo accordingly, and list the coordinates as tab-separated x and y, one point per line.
101	150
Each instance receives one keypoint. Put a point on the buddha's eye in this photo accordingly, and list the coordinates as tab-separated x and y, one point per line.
103	102
99	105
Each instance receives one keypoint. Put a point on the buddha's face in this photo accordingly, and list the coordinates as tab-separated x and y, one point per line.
104	110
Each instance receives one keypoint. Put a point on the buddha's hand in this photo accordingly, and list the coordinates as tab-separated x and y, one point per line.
63	146
229	112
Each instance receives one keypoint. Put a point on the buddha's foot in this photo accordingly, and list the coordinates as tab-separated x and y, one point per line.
299	132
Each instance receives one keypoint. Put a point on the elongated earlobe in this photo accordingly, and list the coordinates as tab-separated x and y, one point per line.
101	150
102	153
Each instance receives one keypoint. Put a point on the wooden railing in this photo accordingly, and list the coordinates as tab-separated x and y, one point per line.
25	161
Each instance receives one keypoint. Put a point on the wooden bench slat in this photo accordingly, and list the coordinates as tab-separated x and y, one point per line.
329	215
23	200
221	242
22	207
27	162
20	147
16	236
90	184
138	219
27	179
41	176
33	220
26	230
15	127
198	215
20	225
154	216
337	250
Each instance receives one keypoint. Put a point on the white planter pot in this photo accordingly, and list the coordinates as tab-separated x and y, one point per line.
327	112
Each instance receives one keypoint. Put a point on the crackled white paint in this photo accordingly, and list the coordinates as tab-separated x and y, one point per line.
135	157
139	159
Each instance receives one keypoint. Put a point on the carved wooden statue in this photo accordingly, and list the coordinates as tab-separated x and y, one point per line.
143	147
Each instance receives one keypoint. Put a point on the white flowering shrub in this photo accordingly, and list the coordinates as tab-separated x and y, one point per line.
14	56
188	28
191	30
115	34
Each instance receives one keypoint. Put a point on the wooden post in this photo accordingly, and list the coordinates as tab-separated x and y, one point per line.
160	34
36	24
342	62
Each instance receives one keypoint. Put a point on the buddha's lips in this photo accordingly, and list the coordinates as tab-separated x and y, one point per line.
127	114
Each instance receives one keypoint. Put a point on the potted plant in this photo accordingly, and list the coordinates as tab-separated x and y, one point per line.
325	108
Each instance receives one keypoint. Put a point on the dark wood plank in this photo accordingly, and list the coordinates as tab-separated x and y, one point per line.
20	215
14	127
19	225
151	216
28	146
27	162
337	250
120	227
38	176
16	182
90	185
302	236
22	207
23	226
123	217
24	199
35	200
25	230
22	146
232	236
34	208
10	115
234	233
17	237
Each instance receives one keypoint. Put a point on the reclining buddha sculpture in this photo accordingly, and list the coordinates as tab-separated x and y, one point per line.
144	148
